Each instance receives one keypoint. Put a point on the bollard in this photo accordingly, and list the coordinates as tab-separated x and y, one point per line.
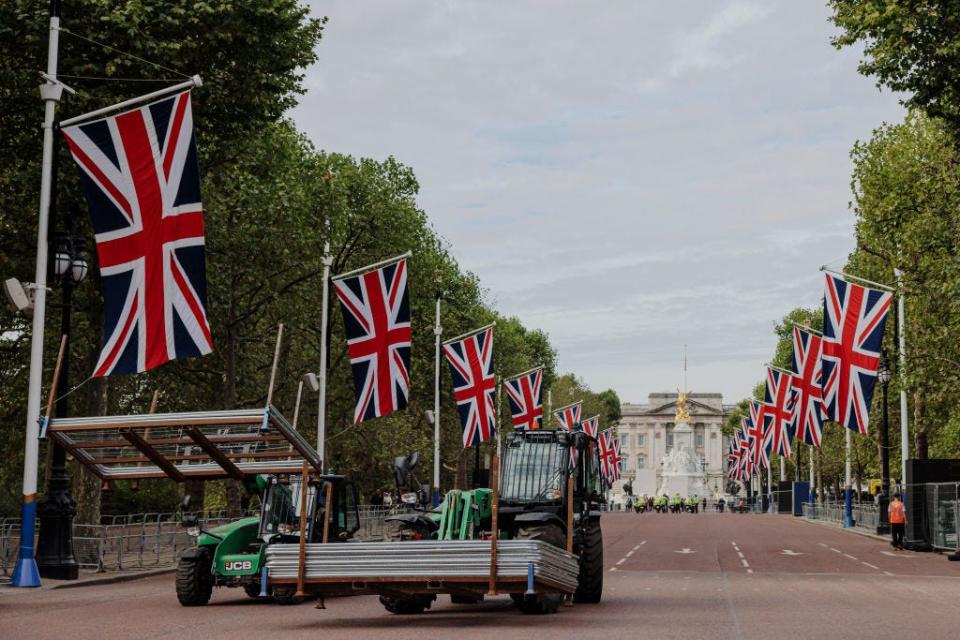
530	575
263	582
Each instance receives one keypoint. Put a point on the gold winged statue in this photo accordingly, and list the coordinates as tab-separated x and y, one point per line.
682	415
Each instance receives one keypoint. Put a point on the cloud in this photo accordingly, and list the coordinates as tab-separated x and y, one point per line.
699	48
626	176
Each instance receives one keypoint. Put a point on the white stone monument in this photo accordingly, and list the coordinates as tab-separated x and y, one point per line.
682	470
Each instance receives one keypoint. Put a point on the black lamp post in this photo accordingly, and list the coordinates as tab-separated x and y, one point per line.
56	509
884	375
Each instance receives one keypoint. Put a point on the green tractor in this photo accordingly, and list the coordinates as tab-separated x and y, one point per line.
233	555
533	505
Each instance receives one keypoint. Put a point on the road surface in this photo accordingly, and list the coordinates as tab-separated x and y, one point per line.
682	576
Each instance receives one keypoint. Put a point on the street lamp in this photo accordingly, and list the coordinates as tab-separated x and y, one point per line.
56	509
884	375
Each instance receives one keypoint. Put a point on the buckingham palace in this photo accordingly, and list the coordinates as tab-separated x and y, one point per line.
646	433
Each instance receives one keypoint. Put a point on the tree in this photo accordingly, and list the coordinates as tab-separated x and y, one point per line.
913	47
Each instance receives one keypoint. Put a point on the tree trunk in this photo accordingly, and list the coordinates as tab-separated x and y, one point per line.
919	426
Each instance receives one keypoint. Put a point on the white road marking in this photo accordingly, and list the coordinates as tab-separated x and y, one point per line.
613	568
887	573
745	563
740	553
835	550
852	557
621	561
630	553
896	555
749	570
791	552
685	551
871	566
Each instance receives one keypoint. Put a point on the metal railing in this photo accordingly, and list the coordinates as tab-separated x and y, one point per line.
865	516
942	514
148	540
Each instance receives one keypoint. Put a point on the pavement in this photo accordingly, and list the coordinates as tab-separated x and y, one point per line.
683	576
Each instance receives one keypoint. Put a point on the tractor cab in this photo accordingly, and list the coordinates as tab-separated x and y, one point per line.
280	511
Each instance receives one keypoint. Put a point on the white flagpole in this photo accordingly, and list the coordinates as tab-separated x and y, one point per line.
783	468
437	332
769	488
25	573
811	475
848	473
322	374
195	81
904	420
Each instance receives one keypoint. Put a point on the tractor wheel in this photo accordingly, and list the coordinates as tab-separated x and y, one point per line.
286	594
590	581
407	606
194	579
541	602
252	589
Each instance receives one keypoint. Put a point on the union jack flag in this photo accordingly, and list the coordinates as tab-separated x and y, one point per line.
779	397
759	433
140	177
747	465
569	416
733	457
610	456
524	395
853	320
591	426
376	316
807	347
474	384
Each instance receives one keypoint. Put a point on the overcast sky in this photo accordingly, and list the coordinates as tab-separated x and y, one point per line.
627	176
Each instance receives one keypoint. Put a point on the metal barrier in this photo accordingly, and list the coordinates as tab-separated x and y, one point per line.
865	516
147	540
942	515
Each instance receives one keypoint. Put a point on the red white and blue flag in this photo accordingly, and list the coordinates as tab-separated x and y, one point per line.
474	384
853	321
807	367
610	456
760	435
376	317
779	397
140	176
525	398
569	416
591	426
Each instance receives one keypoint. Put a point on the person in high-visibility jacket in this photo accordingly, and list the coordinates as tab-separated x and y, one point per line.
676	502
898	521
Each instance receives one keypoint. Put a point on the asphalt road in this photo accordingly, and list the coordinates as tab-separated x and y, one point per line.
710	575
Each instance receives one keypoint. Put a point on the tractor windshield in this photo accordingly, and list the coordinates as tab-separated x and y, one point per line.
280	513
534	468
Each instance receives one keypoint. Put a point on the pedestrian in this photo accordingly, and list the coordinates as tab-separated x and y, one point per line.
898	521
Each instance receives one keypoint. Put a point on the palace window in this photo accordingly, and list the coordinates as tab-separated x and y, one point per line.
700	439
640	439
641	462
669	439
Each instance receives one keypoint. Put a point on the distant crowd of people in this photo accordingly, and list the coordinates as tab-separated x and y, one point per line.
683	504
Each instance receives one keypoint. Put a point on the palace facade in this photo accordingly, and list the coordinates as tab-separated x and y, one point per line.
646	433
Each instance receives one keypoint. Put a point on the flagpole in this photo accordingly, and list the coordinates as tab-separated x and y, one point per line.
322	374
847	495
437	332
812	494
904	421
194	81
769	488
25	573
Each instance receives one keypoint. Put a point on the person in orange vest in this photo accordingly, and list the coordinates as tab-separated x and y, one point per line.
898	521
